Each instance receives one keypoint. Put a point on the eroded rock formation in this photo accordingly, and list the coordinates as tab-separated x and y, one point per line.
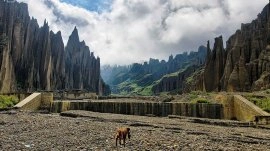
214	65
82	68
34	58
247	64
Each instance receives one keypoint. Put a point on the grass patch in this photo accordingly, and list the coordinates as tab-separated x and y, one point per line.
174	74
192	96
147	91
261	101
8	101
132	88
199	97
195	94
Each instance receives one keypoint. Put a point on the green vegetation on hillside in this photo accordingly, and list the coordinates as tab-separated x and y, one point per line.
147	91
8	101
132	88
142	86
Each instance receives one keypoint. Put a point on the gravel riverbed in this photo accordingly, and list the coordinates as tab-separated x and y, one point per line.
95	131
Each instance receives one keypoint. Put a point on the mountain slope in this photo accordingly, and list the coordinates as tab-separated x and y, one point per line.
143	79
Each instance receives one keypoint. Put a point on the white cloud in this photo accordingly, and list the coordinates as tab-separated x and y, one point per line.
135	30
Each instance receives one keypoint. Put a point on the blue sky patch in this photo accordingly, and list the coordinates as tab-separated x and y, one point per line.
91	5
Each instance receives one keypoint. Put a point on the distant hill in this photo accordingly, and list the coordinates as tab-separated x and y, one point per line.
142	79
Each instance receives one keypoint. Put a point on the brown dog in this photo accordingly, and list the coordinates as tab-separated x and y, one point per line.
121	134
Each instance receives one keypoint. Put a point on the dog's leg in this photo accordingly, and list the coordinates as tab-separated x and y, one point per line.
120	141
124	139
116	139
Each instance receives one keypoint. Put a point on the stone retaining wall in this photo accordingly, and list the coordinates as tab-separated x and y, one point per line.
230	107
32	102
262	120
142	108
36	101
74	95
239	108
245	110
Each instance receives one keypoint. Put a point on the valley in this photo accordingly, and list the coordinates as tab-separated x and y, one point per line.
67	83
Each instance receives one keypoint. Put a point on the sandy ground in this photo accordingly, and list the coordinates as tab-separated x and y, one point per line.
95	131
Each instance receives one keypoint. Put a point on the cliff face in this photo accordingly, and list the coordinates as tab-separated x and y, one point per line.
179	82
189	78
15	33
247	64
33	58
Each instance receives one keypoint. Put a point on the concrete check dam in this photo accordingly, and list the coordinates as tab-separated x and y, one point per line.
229	107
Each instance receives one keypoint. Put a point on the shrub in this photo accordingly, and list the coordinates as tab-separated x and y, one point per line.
8	101
203	101
200	100
192	96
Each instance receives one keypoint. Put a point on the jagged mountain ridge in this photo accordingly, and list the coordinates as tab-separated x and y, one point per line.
245	64
31	58
34	58
144	78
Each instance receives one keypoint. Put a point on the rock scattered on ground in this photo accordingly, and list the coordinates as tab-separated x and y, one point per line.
95	131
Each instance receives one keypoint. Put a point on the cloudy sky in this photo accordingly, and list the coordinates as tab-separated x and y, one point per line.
127	31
